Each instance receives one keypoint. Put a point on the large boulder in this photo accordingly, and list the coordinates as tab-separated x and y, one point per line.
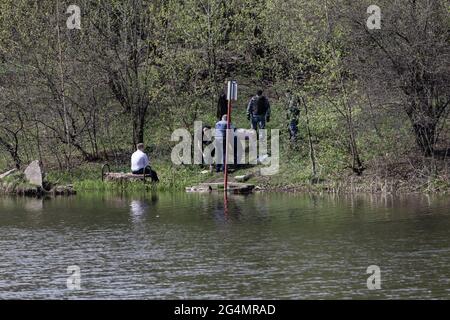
33	173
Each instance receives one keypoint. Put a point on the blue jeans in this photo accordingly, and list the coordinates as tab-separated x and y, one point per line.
293	129
258	121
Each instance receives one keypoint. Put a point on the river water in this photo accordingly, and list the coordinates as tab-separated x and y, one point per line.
192	246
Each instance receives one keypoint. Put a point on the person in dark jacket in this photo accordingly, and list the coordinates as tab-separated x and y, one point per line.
222	106
258	111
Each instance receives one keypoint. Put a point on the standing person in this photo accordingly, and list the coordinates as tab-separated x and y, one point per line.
222	106
292	114
258	111
220	141
140	164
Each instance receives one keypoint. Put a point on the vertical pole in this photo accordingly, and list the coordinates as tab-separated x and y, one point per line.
225	204
226	145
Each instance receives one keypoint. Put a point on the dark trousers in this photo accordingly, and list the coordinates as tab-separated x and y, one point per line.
221	166
149	171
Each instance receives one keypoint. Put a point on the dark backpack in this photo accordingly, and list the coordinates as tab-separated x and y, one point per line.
259	105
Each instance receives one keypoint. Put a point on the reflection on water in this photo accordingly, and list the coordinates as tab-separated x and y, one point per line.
34	205
199	246
139	207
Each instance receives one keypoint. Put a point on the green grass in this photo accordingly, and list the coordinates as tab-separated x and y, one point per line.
295	166
88	178
15	182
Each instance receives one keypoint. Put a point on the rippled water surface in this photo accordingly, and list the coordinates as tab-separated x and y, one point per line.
177	246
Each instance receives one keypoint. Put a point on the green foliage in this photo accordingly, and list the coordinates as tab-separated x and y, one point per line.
138	70
88	178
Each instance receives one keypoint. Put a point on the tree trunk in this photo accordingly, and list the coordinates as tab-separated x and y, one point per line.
425	134
13	153
424	122
138	130
357	165
17	160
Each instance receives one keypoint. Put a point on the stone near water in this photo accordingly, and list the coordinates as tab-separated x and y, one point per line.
198	189
244	177
233	187
35	186
33	173
7	173
63	191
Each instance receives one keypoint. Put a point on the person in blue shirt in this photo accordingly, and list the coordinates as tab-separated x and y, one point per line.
220	140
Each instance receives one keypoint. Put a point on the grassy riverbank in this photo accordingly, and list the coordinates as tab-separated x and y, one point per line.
381	176
392	163
291	178
371	106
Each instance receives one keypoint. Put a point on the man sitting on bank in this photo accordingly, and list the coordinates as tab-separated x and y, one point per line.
140	163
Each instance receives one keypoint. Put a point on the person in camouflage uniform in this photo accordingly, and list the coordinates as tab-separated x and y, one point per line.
292	114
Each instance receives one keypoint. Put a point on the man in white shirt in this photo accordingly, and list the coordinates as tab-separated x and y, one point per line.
139	161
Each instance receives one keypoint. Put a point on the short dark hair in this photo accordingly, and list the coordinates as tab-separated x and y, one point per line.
140	146
259	92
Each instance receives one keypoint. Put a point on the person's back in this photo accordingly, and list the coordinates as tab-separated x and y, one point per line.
261	105
258	111
140	164
139	160
221	129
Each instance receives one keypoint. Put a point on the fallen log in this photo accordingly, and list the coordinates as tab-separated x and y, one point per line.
7	173
121	176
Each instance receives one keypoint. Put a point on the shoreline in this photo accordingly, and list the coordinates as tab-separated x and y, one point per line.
87	178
